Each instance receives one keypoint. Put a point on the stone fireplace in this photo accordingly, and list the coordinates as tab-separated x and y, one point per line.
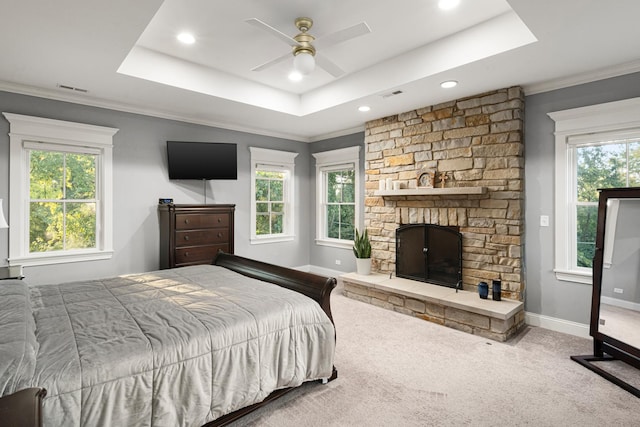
473	147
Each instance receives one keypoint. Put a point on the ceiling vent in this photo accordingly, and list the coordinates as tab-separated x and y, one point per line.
390	94
75	89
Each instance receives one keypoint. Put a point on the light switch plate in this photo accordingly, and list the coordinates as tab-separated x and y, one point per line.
544	220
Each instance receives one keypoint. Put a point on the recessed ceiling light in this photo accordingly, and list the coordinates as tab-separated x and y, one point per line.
448	4
364	108
295	76
448	84
186	38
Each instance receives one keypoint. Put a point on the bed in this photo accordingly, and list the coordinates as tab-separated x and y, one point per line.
191	346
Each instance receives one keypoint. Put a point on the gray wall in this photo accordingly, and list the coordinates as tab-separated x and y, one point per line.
140	178
544	294
326	256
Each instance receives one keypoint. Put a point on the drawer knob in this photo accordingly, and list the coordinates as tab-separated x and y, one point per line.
186	237
186	254
219	234
219	219
186	221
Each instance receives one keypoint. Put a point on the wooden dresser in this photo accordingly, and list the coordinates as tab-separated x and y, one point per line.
193	234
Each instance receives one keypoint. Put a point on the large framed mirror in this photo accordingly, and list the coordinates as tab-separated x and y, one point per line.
615	306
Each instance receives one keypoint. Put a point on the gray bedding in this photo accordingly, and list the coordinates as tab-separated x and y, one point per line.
171	347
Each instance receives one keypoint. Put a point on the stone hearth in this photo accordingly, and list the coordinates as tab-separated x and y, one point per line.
462	310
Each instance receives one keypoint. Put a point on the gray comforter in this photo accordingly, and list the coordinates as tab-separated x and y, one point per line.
167	348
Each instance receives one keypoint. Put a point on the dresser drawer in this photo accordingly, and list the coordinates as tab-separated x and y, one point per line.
202	237
191	221
199	254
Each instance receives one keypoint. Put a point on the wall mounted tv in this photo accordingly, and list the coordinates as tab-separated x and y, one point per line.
202	160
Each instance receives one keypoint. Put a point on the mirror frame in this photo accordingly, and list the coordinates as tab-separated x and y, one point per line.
605	347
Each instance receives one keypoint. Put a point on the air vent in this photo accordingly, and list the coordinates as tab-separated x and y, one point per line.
75	89
390	94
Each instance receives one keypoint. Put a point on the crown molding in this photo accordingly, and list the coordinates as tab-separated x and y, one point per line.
582	78
128	108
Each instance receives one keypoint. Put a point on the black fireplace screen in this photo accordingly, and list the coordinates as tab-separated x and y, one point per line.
429	253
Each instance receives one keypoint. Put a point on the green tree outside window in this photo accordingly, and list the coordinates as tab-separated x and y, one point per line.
609	165
62	190
341	204
270	205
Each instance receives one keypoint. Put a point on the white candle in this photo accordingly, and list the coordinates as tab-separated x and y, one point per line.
381	185
389	184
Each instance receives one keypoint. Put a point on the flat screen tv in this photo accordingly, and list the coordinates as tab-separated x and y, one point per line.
202	160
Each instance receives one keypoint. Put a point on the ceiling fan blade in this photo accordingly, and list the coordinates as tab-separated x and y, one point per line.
273	62
343	35
329	66
268	28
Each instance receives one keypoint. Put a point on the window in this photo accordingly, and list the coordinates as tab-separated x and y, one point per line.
61	191
596	147
272	179
337	192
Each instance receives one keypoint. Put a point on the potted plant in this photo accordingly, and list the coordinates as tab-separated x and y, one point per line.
362	251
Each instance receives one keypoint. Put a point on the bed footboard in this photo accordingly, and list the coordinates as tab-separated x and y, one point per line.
312	285
22	408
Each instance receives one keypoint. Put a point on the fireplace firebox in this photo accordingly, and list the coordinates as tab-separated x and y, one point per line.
429	253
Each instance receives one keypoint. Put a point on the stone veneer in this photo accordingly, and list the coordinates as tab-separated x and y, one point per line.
478	142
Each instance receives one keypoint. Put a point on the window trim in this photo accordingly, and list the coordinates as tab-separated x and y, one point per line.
572	127
279	161
23	132
333	160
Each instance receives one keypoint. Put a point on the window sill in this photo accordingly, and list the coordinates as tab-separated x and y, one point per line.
585	277
50	259
335	243
272	239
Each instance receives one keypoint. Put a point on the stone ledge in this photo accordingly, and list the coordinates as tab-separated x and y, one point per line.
462	310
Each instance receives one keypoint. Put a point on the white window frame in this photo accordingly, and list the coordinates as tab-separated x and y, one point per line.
25	133
573	127
280	161
327	161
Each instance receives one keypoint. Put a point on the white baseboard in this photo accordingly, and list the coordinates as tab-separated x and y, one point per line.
558	325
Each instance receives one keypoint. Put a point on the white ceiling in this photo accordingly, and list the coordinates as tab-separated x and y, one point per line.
125	54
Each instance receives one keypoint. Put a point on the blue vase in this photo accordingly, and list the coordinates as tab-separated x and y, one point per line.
483	290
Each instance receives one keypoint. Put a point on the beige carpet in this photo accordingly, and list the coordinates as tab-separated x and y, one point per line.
395	370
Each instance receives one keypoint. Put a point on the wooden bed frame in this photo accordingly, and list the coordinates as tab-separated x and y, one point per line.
23	408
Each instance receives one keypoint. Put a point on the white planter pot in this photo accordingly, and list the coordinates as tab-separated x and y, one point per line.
363	266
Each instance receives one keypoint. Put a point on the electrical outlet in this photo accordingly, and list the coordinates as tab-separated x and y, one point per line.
618	290
544	220
338	262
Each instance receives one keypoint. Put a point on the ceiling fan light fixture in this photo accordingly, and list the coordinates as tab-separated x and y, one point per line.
304	62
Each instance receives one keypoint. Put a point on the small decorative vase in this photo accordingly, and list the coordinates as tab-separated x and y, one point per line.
363	266
497	289
483	290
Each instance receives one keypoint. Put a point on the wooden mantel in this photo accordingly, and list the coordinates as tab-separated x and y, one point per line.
451	191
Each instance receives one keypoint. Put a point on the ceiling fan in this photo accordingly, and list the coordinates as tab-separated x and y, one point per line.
303	49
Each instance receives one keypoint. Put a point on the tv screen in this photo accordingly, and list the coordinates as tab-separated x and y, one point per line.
202	160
